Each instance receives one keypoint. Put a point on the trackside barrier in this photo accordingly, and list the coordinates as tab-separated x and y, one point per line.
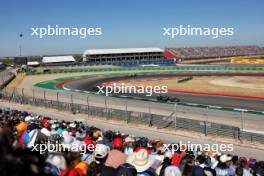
246	111
179	68
6	77
204	127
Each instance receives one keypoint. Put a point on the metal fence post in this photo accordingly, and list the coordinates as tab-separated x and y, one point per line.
127	121
206	120
106	110
242	120
44	96
175	116
88	107
206	114
72	108
150	115
33	95
205	128
58	104
15	89
23	96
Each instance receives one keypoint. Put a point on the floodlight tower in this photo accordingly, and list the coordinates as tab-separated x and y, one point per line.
20	47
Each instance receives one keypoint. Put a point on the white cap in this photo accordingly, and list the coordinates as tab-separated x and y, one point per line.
172	171
72	125
29	118
57	160
168	154
224	158
101	151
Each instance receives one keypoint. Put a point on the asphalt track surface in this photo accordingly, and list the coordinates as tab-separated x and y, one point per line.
223	101
248	122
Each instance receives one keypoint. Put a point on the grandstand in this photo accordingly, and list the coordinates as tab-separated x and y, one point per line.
210	52
111	56
252	61
81	150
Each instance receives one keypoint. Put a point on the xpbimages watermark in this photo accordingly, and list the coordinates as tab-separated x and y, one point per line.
56	30
183	146
58	147
125	89
83	148
181	30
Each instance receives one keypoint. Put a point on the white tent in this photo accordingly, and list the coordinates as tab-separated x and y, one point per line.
33	63
57	59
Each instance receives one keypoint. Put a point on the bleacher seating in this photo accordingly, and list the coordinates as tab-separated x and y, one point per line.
76	149
206	52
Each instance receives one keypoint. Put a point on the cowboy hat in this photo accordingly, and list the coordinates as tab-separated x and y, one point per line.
141	160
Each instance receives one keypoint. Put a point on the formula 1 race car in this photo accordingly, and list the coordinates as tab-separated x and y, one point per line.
165	98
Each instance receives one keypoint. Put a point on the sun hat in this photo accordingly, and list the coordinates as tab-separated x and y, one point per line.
141	160
115	158
172	171
224	158
129	139
101	151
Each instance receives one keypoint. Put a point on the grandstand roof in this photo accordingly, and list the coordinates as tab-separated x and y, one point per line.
56	59
121	50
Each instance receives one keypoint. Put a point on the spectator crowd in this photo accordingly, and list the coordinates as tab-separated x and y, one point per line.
206	52
114	154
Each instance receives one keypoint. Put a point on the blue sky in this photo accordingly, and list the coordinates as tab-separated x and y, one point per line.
136	23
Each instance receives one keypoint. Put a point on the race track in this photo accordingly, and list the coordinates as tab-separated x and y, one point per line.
223	101
250	122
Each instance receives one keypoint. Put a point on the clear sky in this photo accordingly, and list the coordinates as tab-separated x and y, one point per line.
135	23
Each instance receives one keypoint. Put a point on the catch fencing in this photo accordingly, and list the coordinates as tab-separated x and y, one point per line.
172	122
6	76
181	68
